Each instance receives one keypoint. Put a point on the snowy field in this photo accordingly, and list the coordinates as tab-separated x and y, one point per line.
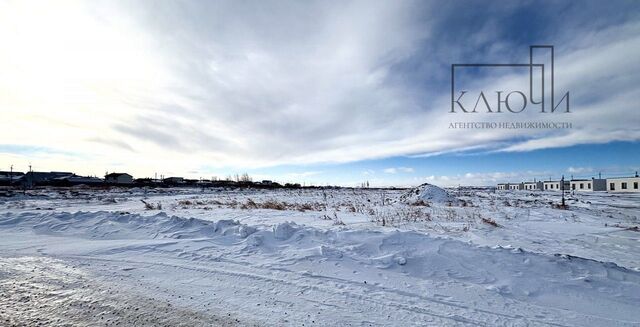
313	257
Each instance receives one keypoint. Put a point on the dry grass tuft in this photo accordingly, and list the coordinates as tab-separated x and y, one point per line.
490	221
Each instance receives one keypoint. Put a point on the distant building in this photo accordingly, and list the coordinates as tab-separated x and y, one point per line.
118	178
33	178
78	180
502	186
556	185
623	184
581	185
174	180
516	186
146	181
533	186
10	177
588	185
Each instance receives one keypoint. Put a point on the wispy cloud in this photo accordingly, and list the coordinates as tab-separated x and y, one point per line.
255	84
296	176
579	170
394	170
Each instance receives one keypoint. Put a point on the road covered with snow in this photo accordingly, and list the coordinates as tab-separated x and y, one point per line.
334	257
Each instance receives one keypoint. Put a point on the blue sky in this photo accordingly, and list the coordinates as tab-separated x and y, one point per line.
319	92
474	168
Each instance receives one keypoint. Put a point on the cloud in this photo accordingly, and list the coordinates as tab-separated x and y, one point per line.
579	170
255	84
368	172
296	176
394	170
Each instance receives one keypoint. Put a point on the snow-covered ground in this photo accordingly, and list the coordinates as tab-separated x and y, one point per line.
334	257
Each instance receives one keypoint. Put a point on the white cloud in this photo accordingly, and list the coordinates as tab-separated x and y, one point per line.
368	172
394	170
297	176
579	170
174	85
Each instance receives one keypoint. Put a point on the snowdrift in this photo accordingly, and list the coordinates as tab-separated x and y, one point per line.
428	193
509	272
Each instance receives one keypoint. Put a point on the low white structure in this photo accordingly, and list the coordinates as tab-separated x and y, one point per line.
581	185
533	186
503	186
555	185
515	187
623	184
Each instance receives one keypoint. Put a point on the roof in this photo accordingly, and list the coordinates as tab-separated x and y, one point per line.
624	177
14	173
117	175
52	173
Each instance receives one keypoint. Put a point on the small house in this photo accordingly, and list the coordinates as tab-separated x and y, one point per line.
173	180
118	178
77	180
33	178
533	186
10	177
516	187
556	185
581	185
503	186
623	184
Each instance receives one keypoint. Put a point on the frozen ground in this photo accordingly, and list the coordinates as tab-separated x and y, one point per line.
318	257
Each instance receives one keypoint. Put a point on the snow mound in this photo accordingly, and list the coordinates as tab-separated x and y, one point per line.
428	193
583	286
284	231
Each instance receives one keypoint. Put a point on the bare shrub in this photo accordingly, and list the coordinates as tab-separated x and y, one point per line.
401	215
275	205
490	221
420	203
150	206
337	221
250	204
147	205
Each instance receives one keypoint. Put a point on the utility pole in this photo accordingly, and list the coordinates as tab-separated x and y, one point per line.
31	176
562	186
